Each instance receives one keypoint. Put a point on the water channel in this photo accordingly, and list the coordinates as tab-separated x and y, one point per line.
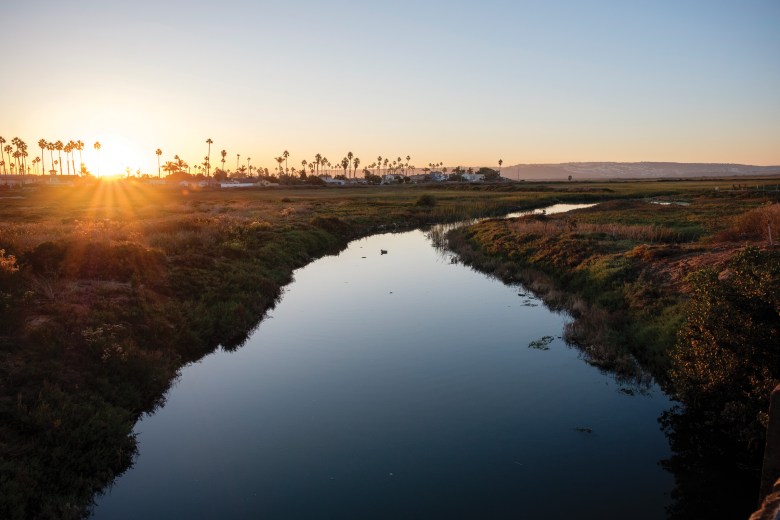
398	385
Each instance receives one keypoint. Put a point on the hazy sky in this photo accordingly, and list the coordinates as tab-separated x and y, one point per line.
443	81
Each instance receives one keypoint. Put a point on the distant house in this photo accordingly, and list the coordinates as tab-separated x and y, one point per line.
236	184
388	179
437	176
473	177
327	179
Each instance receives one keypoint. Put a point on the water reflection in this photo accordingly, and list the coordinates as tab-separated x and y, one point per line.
398	385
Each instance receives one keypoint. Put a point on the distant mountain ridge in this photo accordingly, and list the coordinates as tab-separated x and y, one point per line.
631	170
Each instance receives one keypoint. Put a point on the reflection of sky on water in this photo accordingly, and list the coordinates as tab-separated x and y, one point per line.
392	386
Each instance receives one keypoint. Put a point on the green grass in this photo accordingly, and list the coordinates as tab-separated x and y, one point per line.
113	287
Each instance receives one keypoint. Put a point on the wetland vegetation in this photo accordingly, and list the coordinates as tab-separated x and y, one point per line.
107	289
687	293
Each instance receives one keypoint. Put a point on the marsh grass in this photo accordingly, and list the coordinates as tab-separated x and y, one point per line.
116	286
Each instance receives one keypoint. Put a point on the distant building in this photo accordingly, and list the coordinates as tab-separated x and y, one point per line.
473	177
236	184
327	179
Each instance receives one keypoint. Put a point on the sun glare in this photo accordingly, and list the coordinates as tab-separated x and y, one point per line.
117	156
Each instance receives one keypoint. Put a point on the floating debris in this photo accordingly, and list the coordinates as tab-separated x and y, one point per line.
542	343
583	429
383	251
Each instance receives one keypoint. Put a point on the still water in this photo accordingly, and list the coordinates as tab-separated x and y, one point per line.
398	385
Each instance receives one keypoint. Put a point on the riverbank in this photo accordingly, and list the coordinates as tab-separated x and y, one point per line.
107	290
686	291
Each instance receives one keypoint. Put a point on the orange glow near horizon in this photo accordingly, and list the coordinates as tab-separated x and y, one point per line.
117	153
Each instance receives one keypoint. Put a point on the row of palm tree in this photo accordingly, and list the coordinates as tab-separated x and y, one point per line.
320	164
20	155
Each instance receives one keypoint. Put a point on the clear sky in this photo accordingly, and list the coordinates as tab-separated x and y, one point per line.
443	81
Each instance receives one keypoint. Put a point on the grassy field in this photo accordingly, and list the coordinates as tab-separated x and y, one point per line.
108	289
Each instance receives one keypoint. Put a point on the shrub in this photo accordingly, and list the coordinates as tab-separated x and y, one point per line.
727	358
426	200
754	225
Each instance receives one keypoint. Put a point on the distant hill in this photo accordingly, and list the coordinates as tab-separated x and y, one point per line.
638	170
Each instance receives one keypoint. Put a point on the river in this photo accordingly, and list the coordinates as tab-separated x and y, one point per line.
398	385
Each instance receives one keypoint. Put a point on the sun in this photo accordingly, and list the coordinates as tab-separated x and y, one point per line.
115	156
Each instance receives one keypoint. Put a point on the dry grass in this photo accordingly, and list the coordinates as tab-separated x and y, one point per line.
556	227
754	225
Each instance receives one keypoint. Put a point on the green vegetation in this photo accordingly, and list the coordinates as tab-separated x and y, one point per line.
688	292
108	288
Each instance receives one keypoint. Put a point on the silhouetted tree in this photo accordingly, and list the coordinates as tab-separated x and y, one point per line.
42	146
345	165
97	147
80	148
2	149
208	157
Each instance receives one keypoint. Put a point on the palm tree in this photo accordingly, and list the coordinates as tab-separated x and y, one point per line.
42	145
345	165
80	148
7	150
304	163
97	147
280	160
356	162
59	146
208	157
72	145
317	161
2	142
500	162
349	156
249	167
379	165
158	152
50	147
67	150
238	156
285	154
17	154
24	156
223	153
